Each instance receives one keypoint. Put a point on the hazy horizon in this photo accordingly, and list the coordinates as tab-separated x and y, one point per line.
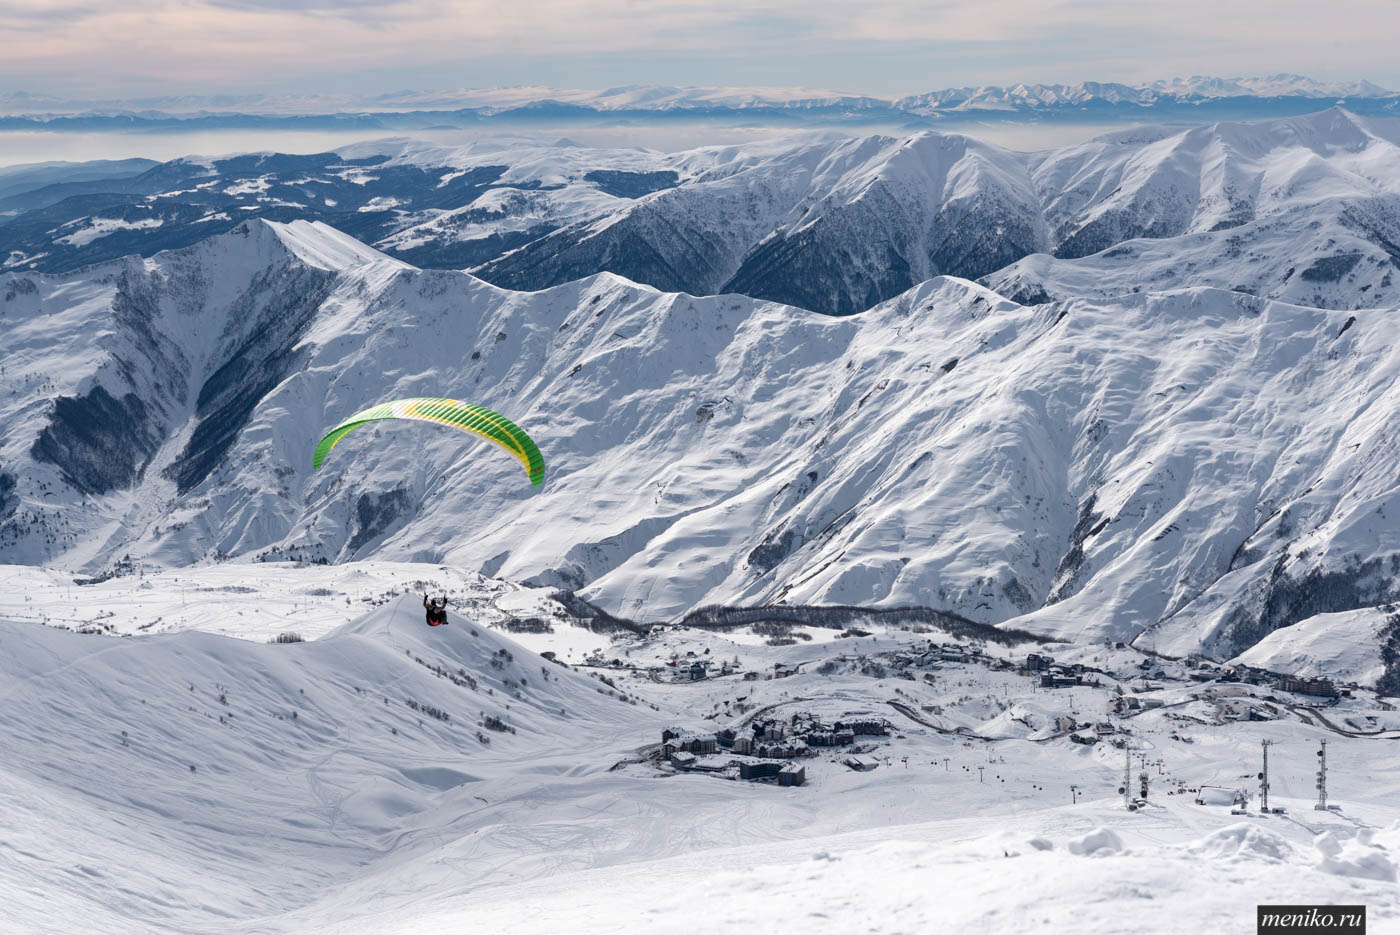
24	147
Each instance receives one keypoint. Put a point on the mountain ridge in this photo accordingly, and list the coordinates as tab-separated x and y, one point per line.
948	448
1304	209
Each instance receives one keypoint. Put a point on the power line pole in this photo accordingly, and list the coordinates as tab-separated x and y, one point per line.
1264	778
1321	805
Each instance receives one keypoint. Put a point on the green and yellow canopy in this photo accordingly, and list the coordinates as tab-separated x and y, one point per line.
467	417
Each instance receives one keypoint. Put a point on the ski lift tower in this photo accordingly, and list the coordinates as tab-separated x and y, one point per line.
1321	805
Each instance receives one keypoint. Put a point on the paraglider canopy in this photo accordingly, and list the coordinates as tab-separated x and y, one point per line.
466	417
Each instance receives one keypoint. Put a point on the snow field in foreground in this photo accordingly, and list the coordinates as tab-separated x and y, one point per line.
317	805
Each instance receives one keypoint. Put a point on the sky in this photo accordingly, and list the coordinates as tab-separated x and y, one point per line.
130	48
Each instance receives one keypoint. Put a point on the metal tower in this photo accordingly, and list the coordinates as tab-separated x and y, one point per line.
1264	778
1321	805
1127	774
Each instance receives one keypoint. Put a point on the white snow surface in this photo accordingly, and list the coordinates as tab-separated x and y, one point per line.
101	227
321	800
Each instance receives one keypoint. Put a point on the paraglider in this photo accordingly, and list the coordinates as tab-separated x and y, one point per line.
478	420
436	608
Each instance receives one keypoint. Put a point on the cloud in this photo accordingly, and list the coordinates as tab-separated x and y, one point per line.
232	44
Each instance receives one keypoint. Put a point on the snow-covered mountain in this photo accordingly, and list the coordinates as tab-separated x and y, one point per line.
1198	465
1032	98
1304	209
1196	91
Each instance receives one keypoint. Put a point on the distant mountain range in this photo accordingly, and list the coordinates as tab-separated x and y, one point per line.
1190	99
1305	209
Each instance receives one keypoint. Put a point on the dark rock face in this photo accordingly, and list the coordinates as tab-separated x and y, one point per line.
631	184
464	254
1389	683
768	554
8	501
1288	600
377	514
99	443
1069	574
282	304
671	253
1331	268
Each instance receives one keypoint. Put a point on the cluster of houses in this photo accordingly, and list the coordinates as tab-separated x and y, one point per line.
1055	675
771	739
1314	687
1093	733
930	653
927	655
1133	704
693	668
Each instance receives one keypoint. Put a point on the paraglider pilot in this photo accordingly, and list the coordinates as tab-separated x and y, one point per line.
437	610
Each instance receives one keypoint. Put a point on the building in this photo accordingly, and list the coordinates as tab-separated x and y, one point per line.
864	724
863	764
780	750
683	760
1035	662
1059	681
699	744
1318	687
743	743
782	670
759	770
792	775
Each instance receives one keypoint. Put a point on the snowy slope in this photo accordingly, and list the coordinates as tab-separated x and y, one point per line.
322	800
1089	881
1204	465
203	778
